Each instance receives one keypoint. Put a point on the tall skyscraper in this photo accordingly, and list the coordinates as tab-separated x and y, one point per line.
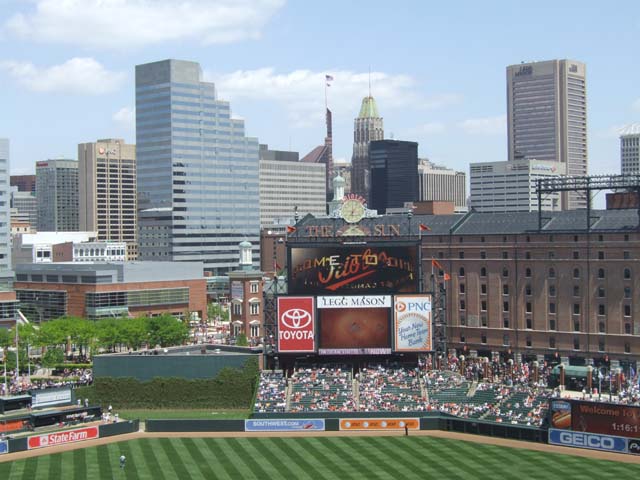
57	195
442	184
107	186
630	149
197	172
547	117
394	174
366	128
5	219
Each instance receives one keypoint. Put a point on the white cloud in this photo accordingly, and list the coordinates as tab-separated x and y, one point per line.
429	128
77	75
125	117
612	132
485	125
301	92
135	23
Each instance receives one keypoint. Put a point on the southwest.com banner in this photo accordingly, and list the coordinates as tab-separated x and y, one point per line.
296	324
293	425
4	447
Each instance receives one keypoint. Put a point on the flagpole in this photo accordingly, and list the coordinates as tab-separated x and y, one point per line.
326	105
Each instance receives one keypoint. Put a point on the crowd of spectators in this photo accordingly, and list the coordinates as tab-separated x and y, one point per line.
322	389
384	389
69	377
271	394
503	392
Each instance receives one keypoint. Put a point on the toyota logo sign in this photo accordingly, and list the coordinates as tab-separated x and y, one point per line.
296	329
296	318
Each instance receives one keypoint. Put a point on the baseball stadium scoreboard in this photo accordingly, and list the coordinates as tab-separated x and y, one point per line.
354	300
595	425
355	324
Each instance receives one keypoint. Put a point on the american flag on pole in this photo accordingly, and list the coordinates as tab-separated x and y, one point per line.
328	78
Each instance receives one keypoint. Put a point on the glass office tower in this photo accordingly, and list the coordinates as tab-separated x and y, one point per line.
198	173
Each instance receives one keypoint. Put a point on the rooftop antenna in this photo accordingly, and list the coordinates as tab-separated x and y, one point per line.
369	81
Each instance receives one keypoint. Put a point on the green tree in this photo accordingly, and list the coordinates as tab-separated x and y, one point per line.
134	332
109	333
215	311
52	334
27	334
11	359
241	341
6	339
52	357
166	331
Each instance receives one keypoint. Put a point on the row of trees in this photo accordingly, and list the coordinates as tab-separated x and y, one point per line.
108	334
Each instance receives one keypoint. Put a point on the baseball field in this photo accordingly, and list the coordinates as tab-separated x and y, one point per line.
327	458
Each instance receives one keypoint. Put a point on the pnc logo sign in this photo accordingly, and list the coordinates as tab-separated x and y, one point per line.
296	327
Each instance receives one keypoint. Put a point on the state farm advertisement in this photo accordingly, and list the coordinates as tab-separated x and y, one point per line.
296	324
60	438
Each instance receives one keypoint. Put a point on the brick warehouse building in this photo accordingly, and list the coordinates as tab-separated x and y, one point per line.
103	290
521	291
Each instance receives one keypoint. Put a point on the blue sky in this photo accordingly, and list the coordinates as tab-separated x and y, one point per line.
438	68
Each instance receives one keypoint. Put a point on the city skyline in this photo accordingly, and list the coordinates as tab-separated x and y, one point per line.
446	92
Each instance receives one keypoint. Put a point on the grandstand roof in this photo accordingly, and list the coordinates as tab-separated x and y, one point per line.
478	223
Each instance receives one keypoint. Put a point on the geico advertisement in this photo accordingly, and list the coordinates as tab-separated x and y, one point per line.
592	441
412	315
296	324
355	301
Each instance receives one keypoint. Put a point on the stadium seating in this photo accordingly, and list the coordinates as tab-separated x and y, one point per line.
390	389
321	389
271	394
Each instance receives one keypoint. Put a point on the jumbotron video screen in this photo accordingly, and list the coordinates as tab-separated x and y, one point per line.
353	270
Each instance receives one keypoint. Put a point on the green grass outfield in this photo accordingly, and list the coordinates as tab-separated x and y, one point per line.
314	457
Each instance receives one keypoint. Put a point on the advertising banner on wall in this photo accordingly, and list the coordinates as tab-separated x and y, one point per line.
353	269
593	441
51	397
355	301
60	438
282	425
379	423
296	324
4	447
412	323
